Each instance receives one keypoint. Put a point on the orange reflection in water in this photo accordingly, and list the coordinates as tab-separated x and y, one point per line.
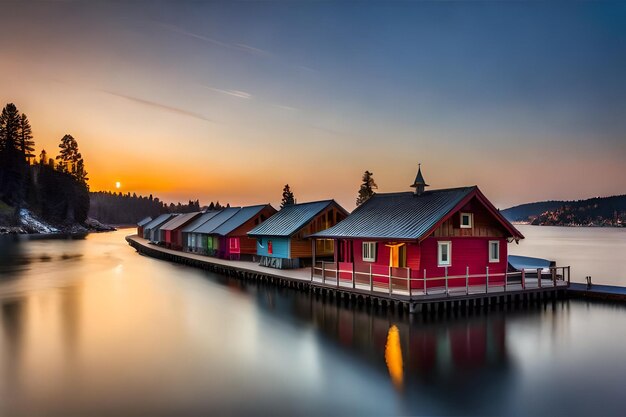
393	357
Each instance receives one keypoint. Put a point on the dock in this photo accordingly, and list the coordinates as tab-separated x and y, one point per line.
398	293
599	292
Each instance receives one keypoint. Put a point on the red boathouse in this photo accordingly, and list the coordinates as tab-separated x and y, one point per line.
435	238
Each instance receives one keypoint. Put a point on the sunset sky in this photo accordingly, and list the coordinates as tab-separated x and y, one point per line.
230	101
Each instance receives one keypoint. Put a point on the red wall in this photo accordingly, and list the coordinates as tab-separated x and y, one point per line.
466	251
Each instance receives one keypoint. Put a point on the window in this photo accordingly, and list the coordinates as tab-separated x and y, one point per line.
369	251
444	253
466	220
494	251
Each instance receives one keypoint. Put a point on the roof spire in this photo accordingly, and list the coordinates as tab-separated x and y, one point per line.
420	183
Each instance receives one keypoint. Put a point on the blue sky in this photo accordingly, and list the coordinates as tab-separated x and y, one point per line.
525	99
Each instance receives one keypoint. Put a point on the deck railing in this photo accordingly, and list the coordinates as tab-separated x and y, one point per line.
411	282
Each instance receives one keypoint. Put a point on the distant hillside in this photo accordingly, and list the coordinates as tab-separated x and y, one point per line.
598	211
525	211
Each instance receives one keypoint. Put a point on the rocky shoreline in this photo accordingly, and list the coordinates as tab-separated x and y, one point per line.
30	224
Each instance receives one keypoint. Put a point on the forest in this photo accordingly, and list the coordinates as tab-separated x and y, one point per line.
54	189
126	209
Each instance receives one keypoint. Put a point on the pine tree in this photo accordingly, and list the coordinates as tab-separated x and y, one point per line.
70	160
288	198
43	157
9	128
367	188
67	156
12	164
25	138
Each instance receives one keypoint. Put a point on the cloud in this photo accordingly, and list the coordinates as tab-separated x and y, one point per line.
232	93
238	46
184	32
159	106
252	49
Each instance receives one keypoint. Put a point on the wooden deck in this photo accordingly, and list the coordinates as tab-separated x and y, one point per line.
602	292
396	295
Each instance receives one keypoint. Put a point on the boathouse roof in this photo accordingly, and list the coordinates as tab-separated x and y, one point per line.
179	221
158	221
215	221
239	218
408	216
291	218
144	222
205	217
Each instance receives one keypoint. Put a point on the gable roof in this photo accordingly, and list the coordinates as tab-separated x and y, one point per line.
158	221
144	222
205	217
292	218
219	218
242	216
407	216
179	221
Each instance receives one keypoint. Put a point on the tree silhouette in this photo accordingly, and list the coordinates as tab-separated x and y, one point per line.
367	188
9	128
70	160
43	157
288	198
12	163
25	138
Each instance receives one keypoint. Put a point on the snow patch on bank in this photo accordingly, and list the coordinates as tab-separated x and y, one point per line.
33	224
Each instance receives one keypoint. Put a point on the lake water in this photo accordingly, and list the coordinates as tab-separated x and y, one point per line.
596	251
90	328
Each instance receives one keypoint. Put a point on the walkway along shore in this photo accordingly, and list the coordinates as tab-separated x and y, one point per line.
302	279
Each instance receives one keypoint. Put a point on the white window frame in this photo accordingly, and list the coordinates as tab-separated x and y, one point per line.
471	221
369	249
439	253
491	258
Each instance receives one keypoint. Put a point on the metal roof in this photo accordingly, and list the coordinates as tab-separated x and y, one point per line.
158	221
205	217
291	218
398	215
179	221
144	221
217	220
242	216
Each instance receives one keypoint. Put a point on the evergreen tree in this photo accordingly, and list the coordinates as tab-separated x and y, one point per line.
25	138
12	164
67	155
288	198
367	188
43	157
70	160
9	128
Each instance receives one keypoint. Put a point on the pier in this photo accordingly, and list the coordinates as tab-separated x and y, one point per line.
399	293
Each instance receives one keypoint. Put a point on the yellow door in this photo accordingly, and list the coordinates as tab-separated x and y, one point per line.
397	255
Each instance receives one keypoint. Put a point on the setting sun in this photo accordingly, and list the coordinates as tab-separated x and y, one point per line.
118	185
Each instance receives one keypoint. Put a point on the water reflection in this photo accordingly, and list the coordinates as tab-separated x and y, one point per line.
393	357
105	331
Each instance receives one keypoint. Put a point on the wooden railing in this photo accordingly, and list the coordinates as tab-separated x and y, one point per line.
410	282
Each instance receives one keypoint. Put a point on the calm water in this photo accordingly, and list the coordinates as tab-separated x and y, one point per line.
89	327
599	252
